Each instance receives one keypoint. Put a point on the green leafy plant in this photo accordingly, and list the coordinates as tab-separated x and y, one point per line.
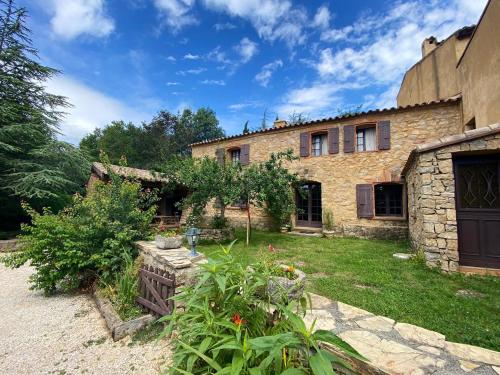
124	290
90	239
328	219
226	327
219	222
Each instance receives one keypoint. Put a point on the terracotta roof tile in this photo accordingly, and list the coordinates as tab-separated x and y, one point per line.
141	174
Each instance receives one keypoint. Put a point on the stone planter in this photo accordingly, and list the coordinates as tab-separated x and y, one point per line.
280	288
119	328
329	233
168	242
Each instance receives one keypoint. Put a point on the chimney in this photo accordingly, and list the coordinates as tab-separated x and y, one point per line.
429	45
280	123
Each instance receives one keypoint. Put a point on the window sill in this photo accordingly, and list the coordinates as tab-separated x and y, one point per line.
390	218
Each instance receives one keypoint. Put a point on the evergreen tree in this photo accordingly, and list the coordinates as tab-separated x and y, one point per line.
245	128
263	124
34	166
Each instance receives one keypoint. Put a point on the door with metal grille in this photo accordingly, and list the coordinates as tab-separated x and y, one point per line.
309	211
477	195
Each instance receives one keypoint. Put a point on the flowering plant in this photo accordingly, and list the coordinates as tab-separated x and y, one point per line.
226	327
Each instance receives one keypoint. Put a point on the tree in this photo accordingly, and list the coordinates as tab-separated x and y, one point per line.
263	124
153	143
297	118
269	185
245	128
29	116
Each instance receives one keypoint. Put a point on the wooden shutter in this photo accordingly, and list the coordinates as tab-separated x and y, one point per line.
333	140
219	155
349	138
364	200
384	135
245	154
304	144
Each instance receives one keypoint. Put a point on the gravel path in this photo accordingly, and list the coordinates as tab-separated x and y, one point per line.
63	334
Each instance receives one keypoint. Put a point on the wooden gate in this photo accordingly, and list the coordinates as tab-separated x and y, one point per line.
156	287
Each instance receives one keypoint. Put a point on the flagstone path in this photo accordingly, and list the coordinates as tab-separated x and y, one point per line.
400	348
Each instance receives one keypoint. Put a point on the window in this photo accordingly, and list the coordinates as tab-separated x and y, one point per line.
319	144
366	139
389	200
235	155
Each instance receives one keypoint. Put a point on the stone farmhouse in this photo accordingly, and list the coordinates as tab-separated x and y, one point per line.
428	170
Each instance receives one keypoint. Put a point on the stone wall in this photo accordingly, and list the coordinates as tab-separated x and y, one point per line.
431	200
339	173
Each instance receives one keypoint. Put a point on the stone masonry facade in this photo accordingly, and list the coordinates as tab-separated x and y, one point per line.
431	193
340	173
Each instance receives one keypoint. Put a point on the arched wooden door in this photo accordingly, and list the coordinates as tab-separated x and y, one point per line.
308	199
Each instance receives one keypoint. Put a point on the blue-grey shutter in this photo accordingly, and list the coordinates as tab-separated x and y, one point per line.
349	138
364	200
384	135
304	144
333	140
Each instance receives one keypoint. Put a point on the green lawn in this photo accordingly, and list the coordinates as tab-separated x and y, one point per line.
364	273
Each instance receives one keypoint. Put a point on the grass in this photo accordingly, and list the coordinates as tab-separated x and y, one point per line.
364	273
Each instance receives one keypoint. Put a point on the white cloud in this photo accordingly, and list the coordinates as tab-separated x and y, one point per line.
171	58
247	104
172	83
214	82
379	49
247	49
267	71
191	71
224	26
91	108
190	56
176	14
77	17
322	17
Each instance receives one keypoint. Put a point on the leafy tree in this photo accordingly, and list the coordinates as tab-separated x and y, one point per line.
153	143
350	110
29	116
92	238
297	118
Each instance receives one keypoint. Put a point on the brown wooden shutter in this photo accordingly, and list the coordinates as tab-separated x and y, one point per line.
333	140
349	138
245	154
304	144
219	155
364	200
384	135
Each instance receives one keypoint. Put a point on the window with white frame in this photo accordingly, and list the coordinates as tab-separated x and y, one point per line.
366	138
319	144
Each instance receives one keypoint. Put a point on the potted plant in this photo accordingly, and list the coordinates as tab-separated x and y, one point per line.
286	283
167	239
328	226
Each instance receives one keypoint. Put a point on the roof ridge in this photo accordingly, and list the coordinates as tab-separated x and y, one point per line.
339	117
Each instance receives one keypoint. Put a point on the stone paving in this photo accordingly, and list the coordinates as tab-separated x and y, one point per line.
400	348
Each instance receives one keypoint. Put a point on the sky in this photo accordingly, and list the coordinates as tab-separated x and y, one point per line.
129	59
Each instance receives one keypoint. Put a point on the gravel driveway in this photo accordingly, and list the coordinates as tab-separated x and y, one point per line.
63	334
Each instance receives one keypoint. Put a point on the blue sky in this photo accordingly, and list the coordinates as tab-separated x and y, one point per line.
128	59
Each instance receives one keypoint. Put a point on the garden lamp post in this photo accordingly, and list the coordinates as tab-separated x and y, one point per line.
192	235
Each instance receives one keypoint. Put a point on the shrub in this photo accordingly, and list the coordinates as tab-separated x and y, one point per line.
218	222
90	239
226	328
328	219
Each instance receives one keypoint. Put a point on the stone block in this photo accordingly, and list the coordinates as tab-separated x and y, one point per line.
420	335
441	243
448	235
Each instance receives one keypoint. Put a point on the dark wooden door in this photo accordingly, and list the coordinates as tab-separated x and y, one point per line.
477	186
309	212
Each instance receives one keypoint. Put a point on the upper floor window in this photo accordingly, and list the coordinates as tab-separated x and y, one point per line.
389	200
319	144
366	139
235	155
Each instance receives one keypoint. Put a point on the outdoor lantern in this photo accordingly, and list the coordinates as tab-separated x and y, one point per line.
192	235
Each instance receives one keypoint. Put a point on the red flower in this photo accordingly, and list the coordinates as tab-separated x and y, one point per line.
237	320
271	248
